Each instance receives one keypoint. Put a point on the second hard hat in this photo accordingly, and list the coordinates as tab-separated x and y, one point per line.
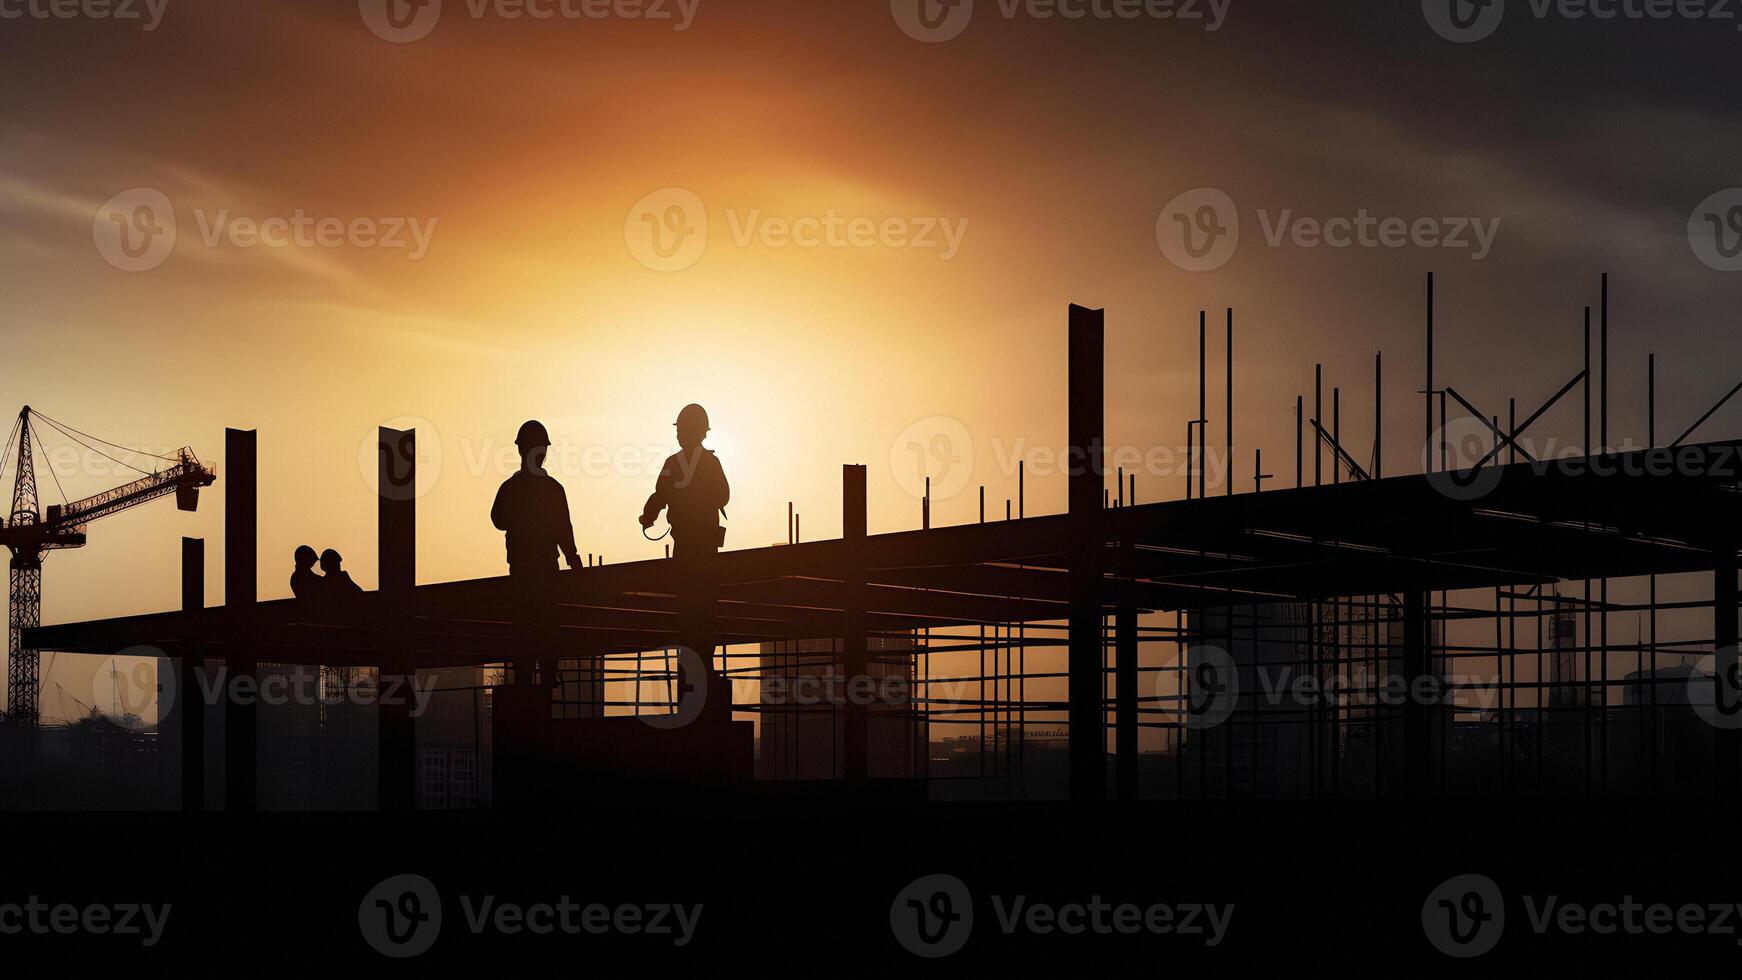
693	415
532	434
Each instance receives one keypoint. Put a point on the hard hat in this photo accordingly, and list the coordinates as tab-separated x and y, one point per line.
330	555
532	434
693	415
305	553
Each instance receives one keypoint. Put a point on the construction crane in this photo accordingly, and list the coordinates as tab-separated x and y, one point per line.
30	533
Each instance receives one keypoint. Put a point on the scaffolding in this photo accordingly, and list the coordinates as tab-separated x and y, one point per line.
1455	632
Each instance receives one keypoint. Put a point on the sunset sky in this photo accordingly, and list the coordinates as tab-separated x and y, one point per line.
527	150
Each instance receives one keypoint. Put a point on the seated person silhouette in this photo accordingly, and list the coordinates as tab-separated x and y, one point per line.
335	580
304	583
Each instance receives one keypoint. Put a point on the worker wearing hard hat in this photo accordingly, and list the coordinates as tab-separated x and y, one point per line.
692	490
533	510
304	583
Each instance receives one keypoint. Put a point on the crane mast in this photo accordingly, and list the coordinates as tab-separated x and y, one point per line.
29	534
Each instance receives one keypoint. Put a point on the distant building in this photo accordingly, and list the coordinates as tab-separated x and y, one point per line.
453	740
803	714
1674	685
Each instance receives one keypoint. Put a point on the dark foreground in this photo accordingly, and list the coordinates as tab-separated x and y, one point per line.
811	887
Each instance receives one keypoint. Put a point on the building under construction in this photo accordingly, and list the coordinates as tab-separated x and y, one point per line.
1513	627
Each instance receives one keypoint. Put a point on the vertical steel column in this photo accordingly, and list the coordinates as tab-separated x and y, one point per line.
1125	698
241	569
1418	754
1088	740
1726	738
396	548
855	743
190	702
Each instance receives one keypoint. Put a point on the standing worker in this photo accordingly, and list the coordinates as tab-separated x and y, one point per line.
693	492
533	510
692	489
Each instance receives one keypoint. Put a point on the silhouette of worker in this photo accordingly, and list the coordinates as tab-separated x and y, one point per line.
693	492
336	582
304	583
692	489
533	510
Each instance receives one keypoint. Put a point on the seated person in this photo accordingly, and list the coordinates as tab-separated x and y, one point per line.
304	583
337	581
